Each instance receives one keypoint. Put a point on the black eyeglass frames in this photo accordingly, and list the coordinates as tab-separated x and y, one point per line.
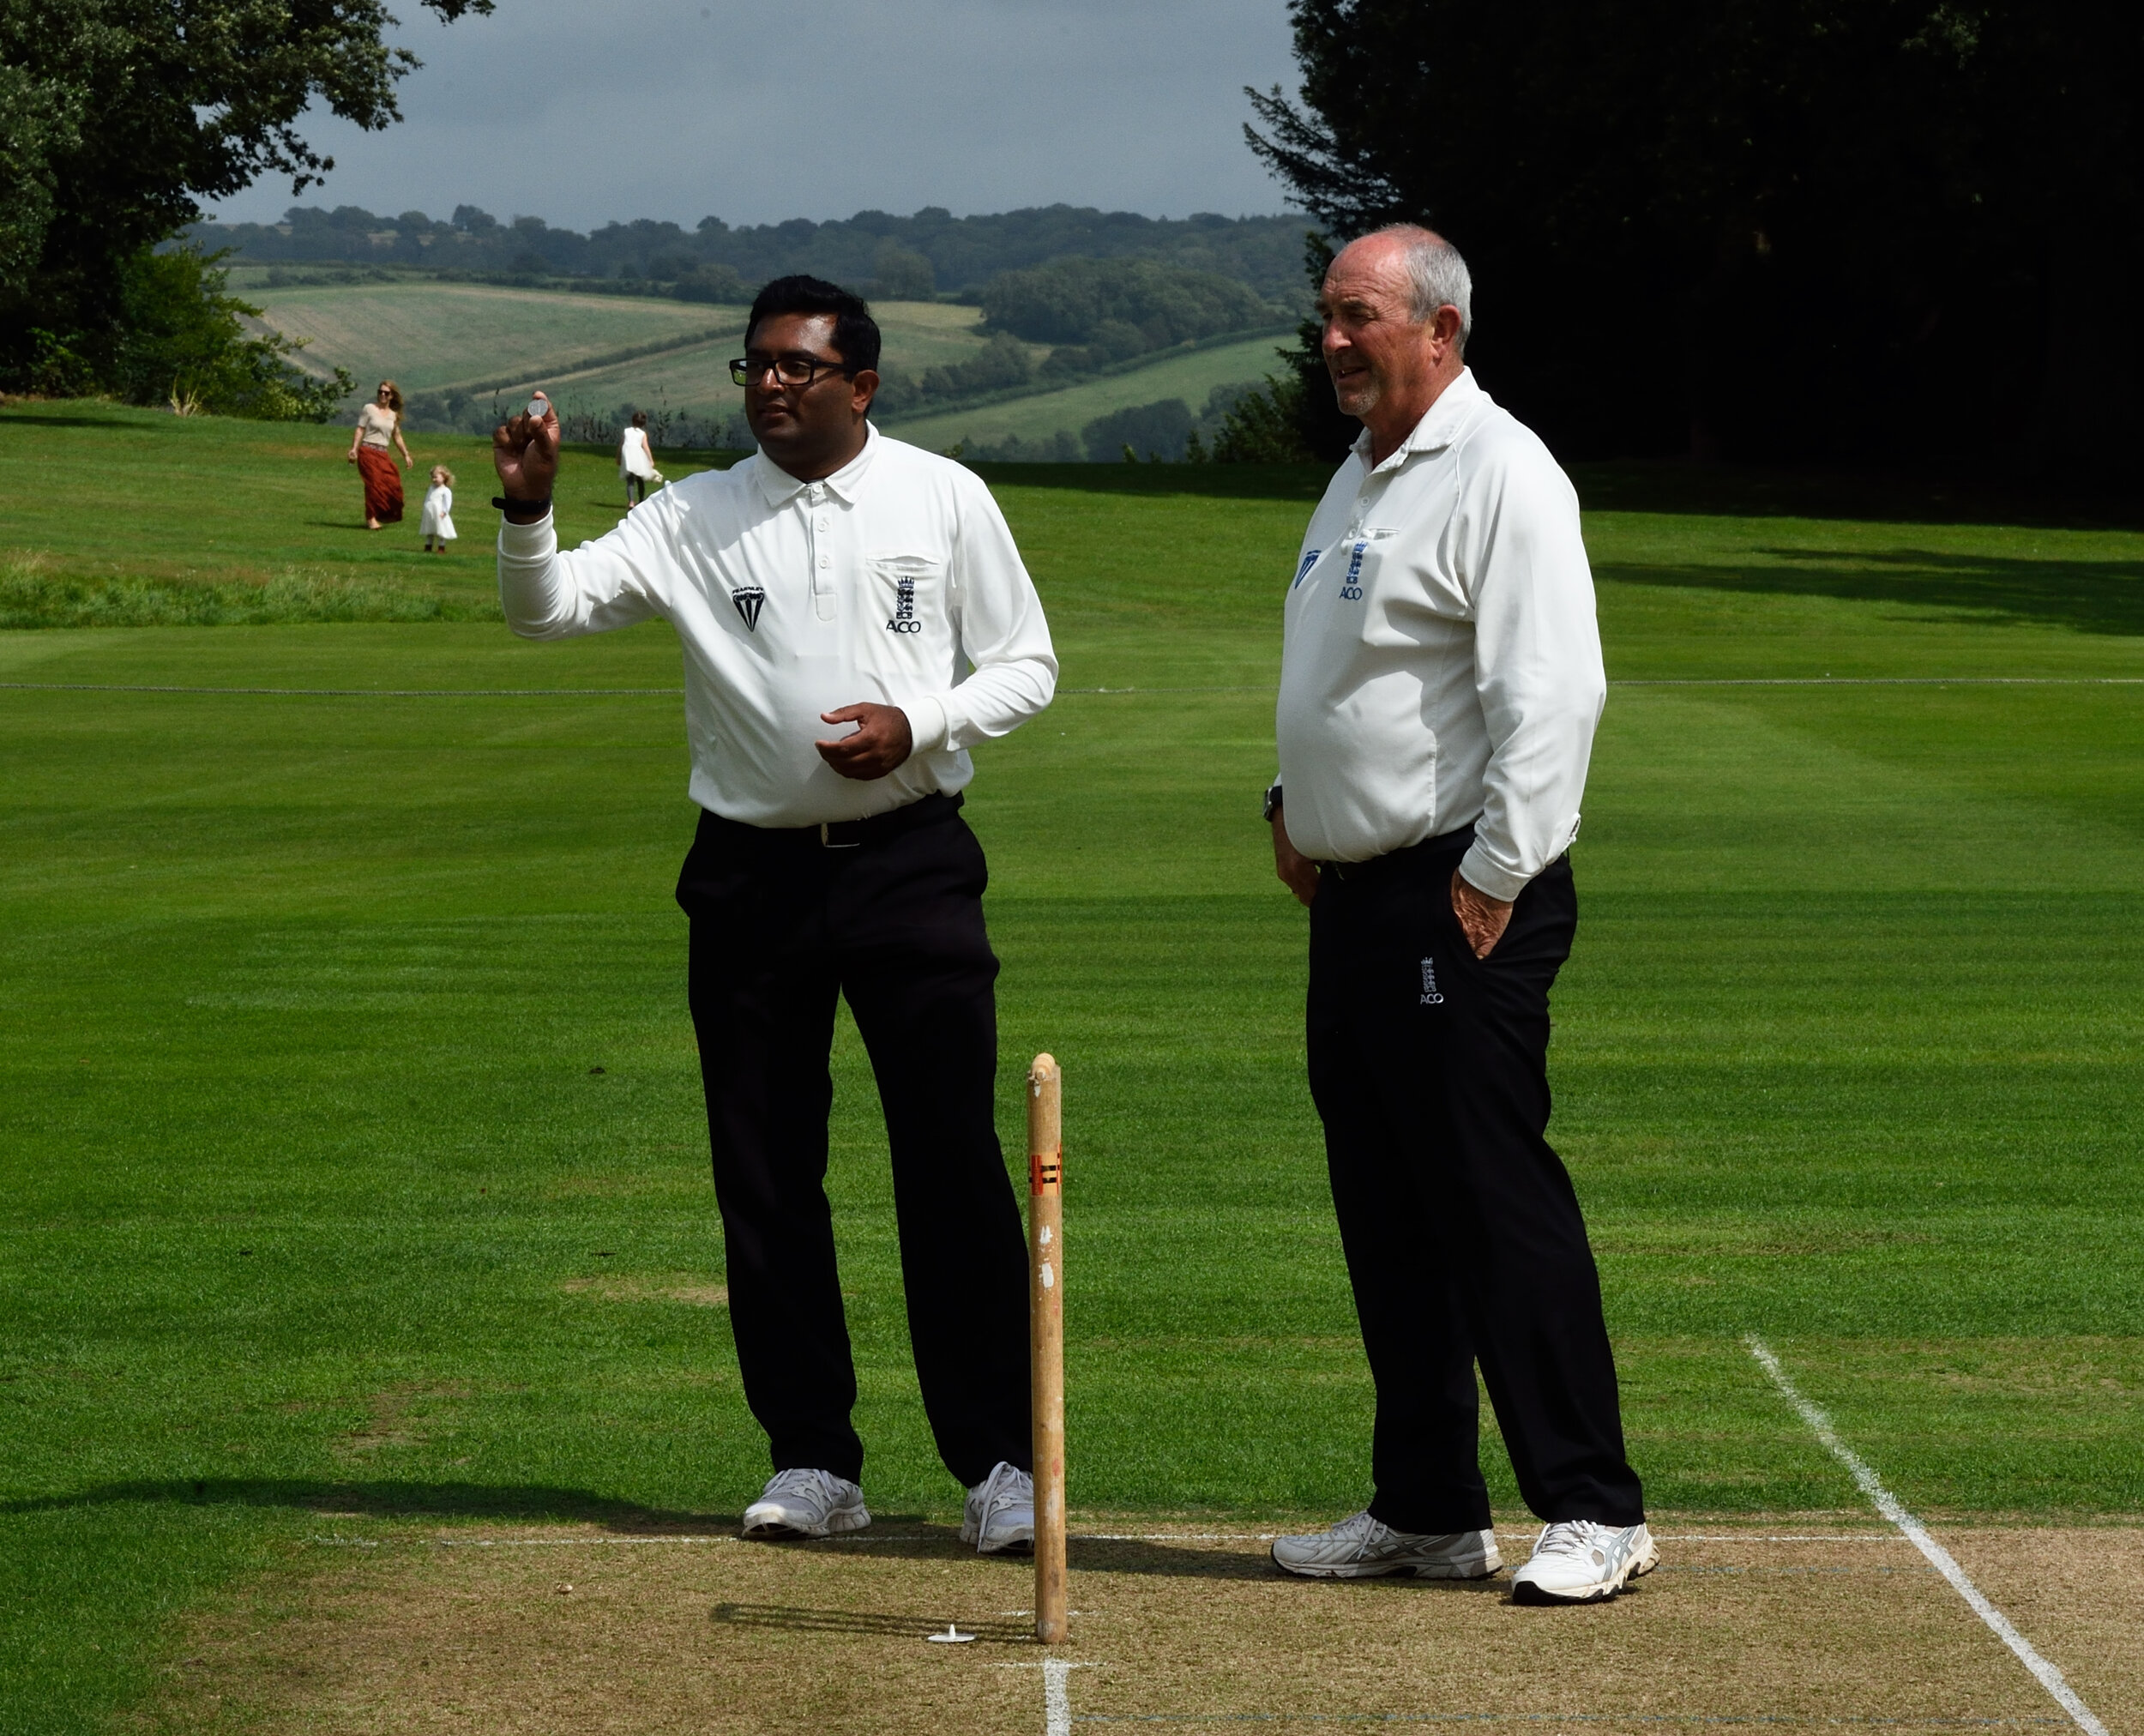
789	371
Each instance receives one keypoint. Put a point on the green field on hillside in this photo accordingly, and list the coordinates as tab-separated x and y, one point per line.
428	335
352	1152
1189	376
697	377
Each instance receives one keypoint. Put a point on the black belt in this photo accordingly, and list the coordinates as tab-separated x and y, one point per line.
838	835
1445	843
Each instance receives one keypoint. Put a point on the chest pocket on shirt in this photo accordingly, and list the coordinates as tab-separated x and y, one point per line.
909	591
1356	560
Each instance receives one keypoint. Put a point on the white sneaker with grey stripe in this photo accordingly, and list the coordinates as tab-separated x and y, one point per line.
806	1503
1577	1561
1000	1514
1361	1547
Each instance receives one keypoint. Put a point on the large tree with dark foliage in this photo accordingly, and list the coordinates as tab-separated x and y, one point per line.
118	117
1859	231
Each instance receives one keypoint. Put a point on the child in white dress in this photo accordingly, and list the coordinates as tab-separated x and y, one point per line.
438	521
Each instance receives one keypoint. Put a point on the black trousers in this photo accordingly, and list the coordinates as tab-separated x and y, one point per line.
781	925
1463	1235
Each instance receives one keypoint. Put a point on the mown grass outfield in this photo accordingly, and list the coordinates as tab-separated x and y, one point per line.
355	1172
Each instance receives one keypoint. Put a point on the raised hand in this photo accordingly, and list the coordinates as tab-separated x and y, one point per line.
524	453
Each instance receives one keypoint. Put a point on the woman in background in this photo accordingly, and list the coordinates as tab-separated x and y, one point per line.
379	423
635	460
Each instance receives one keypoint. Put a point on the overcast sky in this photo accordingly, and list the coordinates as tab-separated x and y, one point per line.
585	111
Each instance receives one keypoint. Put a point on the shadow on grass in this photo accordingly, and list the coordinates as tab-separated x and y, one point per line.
1668	485
789	1619
893	1536
384	1500
2088	596
32	418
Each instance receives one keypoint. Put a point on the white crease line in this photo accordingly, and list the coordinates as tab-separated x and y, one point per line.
1889	1506
865	1537
1176	1536
1740	1537
562	1542
1880	681
1669	1719
1748	1537
1056	1698
353	692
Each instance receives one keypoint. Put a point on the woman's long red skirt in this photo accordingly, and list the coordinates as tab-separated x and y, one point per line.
382	486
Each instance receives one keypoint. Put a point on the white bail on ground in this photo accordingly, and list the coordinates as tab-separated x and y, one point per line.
1939	1558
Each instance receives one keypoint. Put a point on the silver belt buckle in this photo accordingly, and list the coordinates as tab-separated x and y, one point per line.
826	840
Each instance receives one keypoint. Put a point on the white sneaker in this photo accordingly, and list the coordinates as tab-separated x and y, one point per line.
806	1503
1000	1514
1361	1547
1577	1561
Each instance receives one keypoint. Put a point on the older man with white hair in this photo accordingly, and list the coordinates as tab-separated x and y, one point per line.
1440	683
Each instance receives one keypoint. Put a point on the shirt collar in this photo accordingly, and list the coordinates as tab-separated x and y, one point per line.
1438	428
777	486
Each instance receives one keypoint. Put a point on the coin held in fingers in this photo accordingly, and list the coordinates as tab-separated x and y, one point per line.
538	408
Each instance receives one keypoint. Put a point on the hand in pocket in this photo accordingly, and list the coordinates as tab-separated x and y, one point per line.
1482	919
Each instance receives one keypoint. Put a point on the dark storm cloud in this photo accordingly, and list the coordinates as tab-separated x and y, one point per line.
582	112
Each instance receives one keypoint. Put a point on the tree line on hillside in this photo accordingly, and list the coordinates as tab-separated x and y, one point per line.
1166	431
1858	232
914	257
1095	314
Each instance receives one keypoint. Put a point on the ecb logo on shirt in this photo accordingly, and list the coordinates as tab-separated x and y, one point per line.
1430	997
903	617
1350	586
747	601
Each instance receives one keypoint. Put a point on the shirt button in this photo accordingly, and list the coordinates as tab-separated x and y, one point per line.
819	523
826	560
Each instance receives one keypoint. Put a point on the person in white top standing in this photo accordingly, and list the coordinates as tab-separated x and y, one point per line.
854	619
437	520
635	460
1440	680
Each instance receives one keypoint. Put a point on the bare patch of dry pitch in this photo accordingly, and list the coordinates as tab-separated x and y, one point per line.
1812	1622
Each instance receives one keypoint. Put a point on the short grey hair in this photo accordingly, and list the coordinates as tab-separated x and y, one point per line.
1437	273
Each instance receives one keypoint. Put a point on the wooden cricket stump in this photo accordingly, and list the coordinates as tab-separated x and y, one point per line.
1045	1337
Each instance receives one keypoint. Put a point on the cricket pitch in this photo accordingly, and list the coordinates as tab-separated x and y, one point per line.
1802	1620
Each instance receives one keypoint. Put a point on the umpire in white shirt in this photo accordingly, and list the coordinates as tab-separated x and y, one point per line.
854	619
1440	681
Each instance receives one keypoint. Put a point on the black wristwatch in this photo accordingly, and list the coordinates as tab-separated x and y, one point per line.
538	507
1273	803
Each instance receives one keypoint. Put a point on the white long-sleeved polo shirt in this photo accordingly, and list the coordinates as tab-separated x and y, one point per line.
1441	662
887	581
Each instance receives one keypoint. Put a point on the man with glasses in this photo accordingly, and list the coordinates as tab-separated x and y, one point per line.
854	617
